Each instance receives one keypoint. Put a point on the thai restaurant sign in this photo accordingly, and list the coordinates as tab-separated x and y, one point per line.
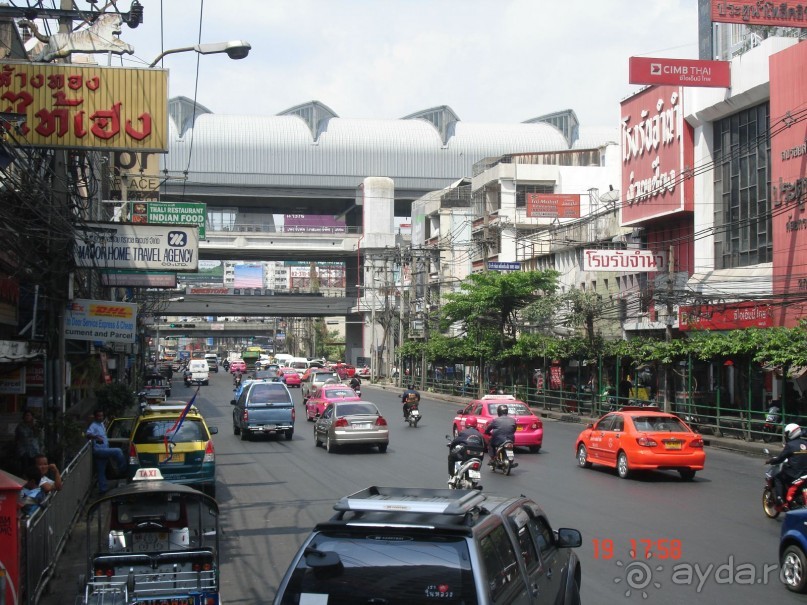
87	107
553	205
788	88
657	147
781	13
684	72
734	316
623	261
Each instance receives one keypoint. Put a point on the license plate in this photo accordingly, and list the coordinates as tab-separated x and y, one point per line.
519	428
167	601
673	445
269	427
509	454
474	475
175	459
363	427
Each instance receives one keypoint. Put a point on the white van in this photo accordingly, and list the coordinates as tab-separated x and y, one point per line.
200	371
283	358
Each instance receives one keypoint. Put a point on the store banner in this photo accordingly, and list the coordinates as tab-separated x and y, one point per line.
100	320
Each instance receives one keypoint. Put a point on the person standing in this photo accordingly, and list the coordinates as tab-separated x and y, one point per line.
26	438
101	452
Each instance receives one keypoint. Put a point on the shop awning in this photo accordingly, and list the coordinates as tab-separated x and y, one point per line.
12	351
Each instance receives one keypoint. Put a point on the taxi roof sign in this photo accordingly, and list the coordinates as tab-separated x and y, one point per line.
148	474
499	397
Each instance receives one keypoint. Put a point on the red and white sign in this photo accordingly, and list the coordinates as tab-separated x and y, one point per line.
553	205
623	261
657	146
725	317
193	290
782	13
788	88
684	72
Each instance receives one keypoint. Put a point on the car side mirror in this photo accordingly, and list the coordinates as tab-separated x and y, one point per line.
568	538
213	430
232	402
590	425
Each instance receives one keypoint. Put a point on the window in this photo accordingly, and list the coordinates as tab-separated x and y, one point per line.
523	190
499	561
606	423
743	234
153	431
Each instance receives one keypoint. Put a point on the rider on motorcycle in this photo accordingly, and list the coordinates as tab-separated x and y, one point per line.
410	397
501	429
471	438
794	457
355	382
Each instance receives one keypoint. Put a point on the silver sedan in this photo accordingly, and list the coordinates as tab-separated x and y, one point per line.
350	422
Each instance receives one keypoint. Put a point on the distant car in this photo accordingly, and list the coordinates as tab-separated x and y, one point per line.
315	379
238	365
529	427
363	372
792	549
345	370
212	362
351	422
641	438
270	375
290	377
324	396
263	408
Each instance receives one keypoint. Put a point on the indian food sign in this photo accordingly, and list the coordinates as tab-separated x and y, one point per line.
87	107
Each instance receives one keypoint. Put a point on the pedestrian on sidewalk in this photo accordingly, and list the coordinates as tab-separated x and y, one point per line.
101	452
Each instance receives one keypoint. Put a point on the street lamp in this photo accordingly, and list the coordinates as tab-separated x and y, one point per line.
235	49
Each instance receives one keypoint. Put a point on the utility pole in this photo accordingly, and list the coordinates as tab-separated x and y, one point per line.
669	382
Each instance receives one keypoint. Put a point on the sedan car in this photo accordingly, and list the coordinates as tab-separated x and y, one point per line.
238	365
529	427
792	549
290	377
325	395
641	438
351	422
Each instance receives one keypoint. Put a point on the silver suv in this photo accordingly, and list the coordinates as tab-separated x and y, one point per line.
400	545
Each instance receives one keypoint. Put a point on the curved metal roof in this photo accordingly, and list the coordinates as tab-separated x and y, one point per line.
284	151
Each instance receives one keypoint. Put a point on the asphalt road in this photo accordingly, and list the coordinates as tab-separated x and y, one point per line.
710	538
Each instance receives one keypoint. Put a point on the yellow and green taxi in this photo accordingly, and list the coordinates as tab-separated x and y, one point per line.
184	456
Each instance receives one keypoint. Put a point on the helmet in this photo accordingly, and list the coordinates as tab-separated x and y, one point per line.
792	431
502	410
471	422
412	386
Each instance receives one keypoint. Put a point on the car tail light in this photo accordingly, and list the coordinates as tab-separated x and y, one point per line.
341	422
646	441
104	571
380	421
210	453
133	454
536	425
245	415
293	415
697	442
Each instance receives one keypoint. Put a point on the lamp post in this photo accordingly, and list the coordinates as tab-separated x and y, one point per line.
235	49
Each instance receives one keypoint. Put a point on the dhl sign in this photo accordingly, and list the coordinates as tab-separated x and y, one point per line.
110	311
100	320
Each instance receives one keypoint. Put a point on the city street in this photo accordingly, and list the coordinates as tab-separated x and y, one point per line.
716	538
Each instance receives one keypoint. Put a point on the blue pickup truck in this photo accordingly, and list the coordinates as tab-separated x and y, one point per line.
263	407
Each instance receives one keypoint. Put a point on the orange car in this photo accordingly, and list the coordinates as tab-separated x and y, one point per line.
641	438
322	397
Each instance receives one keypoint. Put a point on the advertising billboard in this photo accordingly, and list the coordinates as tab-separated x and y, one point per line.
657	150
248	276
102	320
171	213
782	13
734	316
313	223
789	181
623	261
87	107
553	205
143	247
684	72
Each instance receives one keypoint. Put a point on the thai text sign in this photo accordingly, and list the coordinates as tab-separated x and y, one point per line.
623	261
501	266
725	317
139	279
13	382
686	72
782	13
74	106
100	320
313	223
171	213
553	205
145	247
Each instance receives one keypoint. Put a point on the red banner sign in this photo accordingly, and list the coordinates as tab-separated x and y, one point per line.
734	316
684	72
553	205
783	13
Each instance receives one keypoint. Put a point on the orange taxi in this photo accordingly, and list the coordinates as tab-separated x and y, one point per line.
641	438
325	395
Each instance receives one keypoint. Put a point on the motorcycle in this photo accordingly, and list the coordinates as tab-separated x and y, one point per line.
504	458
467	468
413	417
772	429
795	495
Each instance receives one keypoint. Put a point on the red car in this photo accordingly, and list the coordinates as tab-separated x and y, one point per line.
324	396
529	427
238	365
290	377
345	370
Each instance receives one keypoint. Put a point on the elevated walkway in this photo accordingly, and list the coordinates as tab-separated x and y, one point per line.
261	244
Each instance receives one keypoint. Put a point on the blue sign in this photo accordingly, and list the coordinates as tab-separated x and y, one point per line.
494	266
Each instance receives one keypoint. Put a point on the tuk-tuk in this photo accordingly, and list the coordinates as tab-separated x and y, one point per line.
152	541
156	388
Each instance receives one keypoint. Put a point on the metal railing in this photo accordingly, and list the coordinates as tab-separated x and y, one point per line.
45	532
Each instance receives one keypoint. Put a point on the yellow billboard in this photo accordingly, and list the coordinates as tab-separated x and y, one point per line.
88	107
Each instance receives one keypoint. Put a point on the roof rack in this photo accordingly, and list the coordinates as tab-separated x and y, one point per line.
412	500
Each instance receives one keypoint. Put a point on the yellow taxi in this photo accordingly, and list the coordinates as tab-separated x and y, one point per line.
183	451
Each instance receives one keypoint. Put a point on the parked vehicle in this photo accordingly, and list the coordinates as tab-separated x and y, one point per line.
416	545
792	549
351	423
795	494
152	541
467	466
504	459
263	408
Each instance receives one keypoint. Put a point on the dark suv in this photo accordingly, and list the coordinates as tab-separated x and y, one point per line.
398	545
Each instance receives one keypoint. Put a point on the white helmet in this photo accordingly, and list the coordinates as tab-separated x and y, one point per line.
792	431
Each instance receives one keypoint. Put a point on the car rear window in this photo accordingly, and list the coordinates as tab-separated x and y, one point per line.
325	376
513	409
337	393
153	431
349	409
268	393
395	569
659	424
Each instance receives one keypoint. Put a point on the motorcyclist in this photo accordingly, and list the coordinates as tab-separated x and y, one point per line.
237	378
355	382
794	457
410	397
501	429
471	438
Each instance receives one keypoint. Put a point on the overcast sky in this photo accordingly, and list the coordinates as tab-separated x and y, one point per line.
489	60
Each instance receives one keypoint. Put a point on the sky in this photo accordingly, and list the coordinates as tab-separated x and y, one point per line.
502	61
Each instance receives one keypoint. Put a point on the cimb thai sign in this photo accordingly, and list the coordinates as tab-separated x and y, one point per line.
686	72
623	261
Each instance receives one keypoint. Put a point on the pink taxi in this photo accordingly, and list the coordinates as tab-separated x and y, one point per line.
290	377
322	397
